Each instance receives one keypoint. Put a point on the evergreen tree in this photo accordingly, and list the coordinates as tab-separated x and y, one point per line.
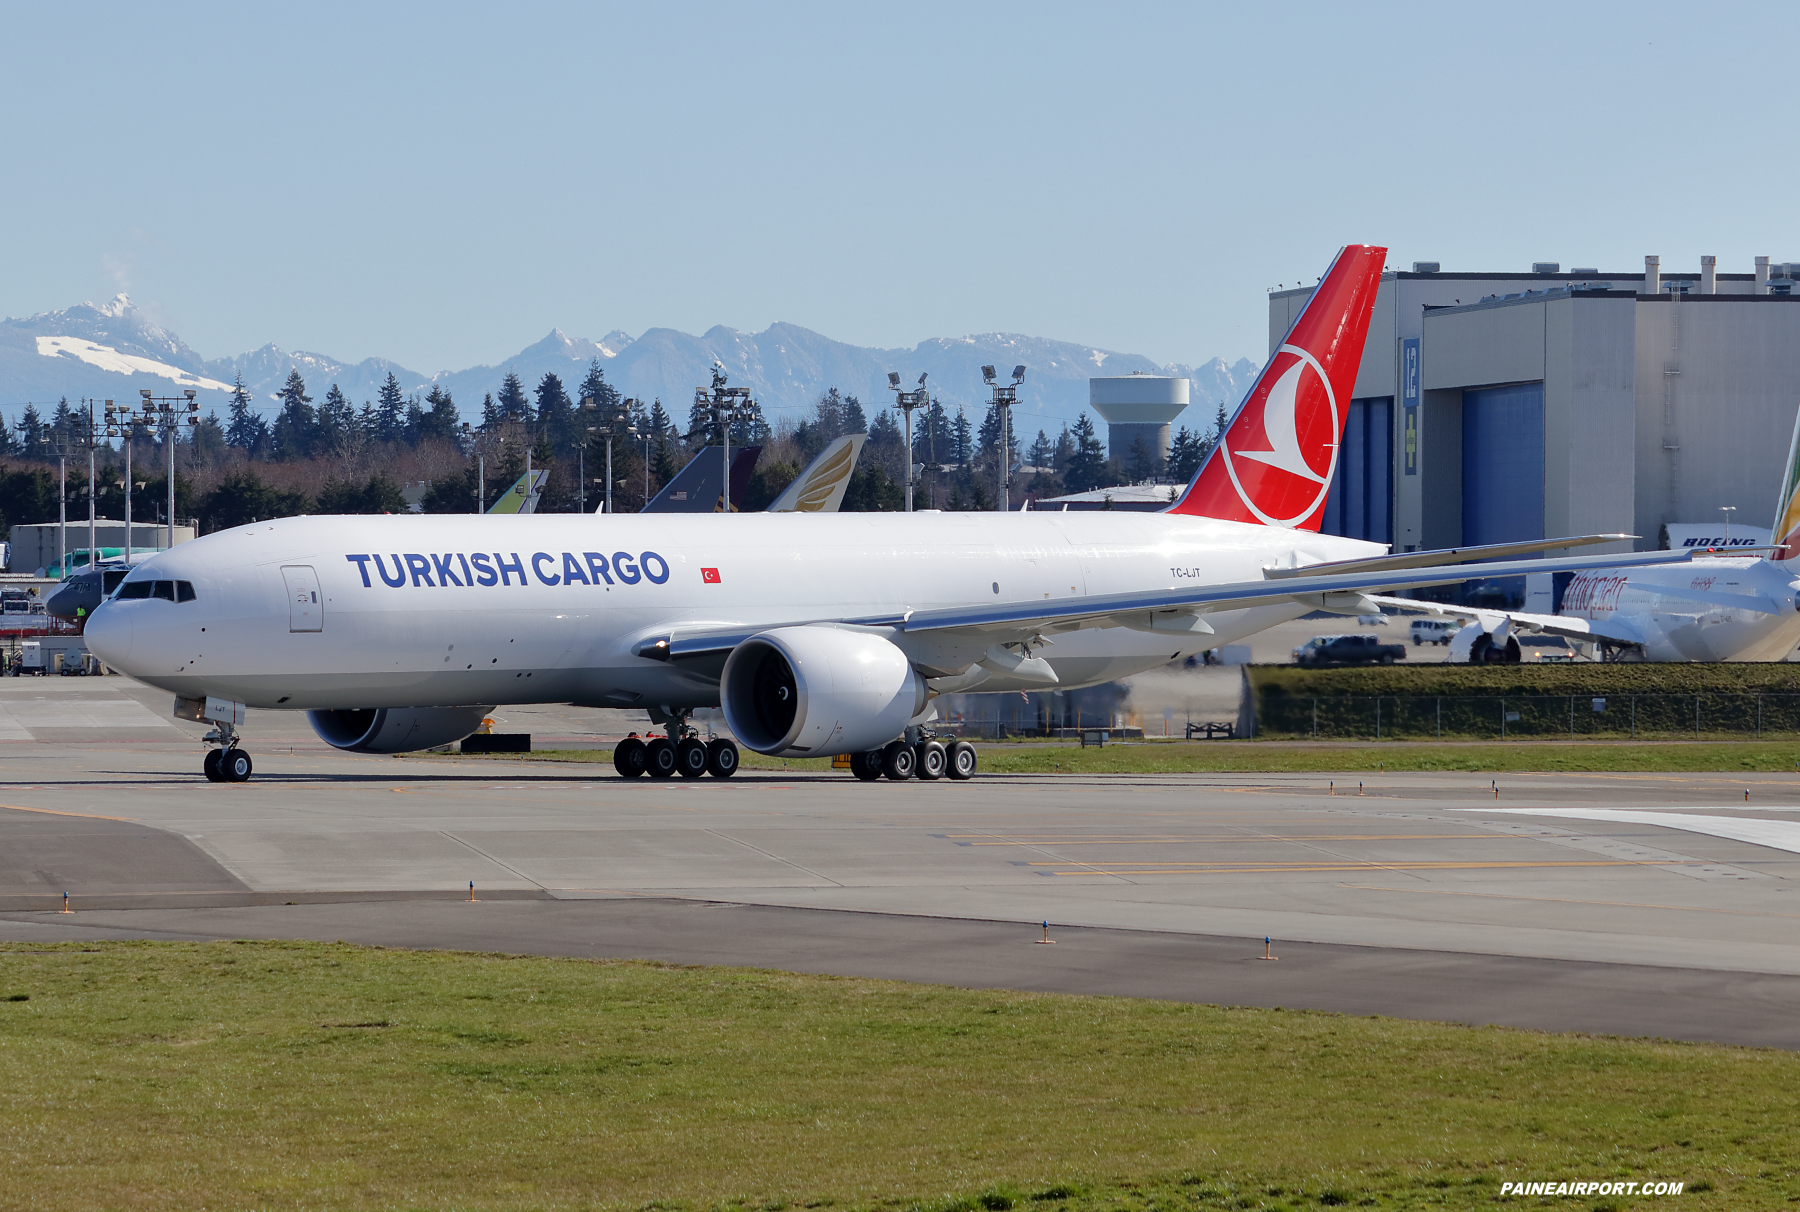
887	447
34	442
962	439
244	429
1063	452
1186	452
514	404
1146	460
1042	452
595	387
295	423
390	411
1087	465
337	424
452	494
208	438
931	435
490	412
442	420
1219	424
556	413
852	418
872	490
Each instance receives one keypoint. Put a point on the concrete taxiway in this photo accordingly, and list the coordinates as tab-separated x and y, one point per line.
1661	905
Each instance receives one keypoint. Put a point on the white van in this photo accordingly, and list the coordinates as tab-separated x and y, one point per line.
1434	631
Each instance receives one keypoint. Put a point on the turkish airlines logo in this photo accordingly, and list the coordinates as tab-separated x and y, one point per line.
1283	474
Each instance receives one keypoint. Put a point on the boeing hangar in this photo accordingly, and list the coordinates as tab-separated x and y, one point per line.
1494	407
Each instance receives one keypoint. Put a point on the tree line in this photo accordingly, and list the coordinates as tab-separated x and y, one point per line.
325	455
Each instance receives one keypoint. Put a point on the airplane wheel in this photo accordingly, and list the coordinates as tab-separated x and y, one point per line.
690	758
866	766
630	758
659	758
235	766
211	766
721	758
898	761
963	761
933	760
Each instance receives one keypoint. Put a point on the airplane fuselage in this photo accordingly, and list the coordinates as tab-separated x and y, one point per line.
449	610
1709	626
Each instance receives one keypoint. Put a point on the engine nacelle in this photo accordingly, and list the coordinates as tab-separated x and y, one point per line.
810	691
395	729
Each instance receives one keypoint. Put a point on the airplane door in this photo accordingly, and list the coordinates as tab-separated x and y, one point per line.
306	609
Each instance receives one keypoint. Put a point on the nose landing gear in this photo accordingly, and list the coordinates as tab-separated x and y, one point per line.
228	763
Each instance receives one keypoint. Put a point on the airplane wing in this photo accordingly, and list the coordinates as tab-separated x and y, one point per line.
820	488
1613	631
1173	611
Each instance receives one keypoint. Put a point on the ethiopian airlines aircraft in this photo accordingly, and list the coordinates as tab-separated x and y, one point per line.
1718	608
816	635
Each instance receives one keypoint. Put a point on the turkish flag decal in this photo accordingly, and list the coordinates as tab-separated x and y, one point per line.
710	575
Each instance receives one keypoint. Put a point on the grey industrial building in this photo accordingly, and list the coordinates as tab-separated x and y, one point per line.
1493	407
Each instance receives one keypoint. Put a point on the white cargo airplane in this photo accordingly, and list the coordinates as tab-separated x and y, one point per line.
1718	608
816	635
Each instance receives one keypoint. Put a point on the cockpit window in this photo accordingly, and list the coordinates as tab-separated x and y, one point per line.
111	580
164	590
134	589
184	591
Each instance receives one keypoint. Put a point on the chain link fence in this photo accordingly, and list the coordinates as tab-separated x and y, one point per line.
1642	717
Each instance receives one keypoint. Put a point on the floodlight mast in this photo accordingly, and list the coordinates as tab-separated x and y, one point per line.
725	406
906	401
168	414
1004	398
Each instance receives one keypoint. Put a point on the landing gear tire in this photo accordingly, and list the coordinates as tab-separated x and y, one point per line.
898	761
211	766
866	766
659	758
963	761
690	758
630	758
235	766
932	761
721	758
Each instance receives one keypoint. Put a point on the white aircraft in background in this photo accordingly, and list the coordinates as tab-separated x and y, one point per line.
816	635
1718	608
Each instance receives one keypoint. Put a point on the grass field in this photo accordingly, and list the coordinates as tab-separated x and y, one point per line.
288	1075
1259	757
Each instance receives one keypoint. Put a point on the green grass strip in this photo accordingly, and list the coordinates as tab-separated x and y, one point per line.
291	1075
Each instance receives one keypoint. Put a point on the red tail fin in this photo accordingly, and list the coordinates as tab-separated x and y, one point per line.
1276	460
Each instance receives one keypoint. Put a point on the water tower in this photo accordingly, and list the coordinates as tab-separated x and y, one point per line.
1137	406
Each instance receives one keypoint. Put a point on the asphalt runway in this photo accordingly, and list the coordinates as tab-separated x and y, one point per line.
1636	904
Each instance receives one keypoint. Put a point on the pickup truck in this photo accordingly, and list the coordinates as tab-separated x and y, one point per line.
1348	650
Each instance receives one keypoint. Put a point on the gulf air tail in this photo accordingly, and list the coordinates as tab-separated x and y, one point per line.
820	488
1786	531
1275	461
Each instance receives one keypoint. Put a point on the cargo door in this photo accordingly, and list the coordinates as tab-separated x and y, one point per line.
306	609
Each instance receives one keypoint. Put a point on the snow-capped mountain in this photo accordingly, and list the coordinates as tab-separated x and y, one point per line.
113	351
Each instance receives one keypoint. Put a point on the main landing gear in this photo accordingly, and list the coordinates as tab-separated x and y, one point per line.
681	752
927	758
228	763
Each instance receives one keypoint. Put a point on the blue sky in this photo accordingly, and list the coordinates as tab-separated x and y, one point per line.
441	184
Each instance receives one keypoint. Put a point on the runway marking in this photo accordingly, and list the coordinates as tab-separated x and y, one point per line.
1774	834
92	816
776	858
1270	837
490	858
1569	900
1127	870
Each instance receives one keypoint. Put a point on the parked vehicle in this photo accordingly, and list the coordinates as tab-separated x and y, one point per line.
1348	650
1434	631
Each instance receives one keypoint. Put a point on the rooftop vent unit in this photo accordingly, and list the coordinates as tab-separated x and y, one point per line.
1546	267
1582	269
1425	267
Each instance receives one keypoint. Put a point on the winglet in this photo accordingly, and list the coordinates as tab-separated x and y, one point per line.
1278	455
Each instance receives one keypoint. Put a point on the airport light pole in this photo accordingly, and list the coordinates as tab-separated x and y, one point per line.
615	422
1005	396
122	423
90	440
906	401
169	414
726	406
1728	510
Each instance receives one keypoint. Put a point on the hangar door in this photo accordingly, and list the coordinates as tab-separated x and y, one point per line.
1361	504
1503	464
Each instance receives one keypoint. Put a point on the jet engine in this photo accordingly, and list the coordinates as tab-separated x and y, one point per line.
809	691
395	729
1477	645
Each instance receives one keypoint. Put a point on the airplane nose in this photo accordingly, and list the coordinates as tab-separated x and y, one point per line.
108	636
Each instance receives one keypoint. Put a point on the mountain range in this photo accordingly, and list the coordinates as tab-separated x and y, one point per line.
113	350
